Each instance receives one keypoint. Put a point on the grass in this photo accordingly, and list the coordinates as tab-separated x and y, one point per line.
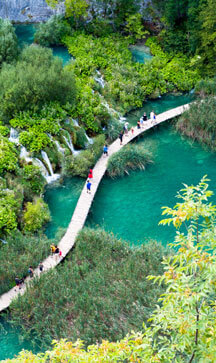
131	157
199	123
99	292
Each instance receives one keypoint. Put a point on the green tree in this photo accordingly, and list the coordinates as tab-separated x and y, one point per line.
8	156
52	32
8	42
134	26
38	78
36	215
208	37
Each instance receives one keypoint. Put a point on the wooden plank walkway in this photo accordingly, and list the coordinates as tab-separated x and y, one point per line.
84	203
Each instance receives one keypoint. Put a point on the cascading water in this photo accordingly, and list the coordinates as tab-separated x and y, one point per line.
14	136
114	112
52	177
24	154
76	123
100	79
60	149
70	144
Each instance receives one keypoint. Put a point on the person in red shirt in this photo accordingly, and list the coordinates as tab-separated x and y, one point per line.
90	176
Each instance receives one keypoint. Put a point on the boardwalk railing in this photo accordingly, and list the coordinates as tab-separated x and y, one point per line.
85	200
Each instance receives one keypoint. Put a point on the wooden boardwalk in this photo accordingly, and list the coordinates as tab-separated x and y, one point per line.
84	203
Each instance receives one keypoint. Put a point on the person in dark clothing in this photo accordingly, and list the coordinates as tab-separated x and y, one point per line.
138	124
17	282
40	267
145	117
121	137
31	271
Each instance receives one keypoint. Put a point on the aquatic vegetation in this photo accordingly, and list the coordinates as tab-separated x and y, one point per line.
131	157
100	292
199	123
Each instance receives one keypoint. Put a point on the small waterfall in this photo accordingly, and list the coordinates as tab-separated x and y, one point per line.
60	149
14	136
52	177
100	79
70	144
90	141
76	123
24	154
42	167
114	113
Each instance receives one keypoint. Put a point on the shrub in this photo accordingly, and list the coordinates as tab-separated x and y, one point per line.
131	157
35	215
52	32
206	87
81	164
8	42
8	156
32	180
8	211
101	291
37	79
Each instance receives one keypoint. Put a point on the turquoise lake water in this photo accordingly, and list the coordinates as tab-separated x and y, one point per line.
140	53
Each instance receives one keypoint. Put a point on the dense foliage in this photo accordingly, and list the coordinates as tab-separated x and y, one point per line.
17	254
100	292
127	84
52	32
36	79
8	42
8	156
131	157
80	165
199	123
183	323
35	215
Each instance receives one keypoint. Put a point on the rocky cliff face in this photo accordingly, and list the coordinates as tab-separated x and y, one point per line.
27	10
34	11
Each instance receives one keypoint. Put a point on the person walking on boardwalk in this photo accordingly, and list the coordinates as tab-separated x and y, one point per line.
17	282
138	124
121	137
88	185
105	150
41	267
145	117
52	247
31	271
90	175
152	116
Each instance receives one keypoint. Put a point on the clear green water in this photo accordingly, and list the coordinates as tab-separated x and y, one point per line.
62	200
140	53
11	341
25	34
